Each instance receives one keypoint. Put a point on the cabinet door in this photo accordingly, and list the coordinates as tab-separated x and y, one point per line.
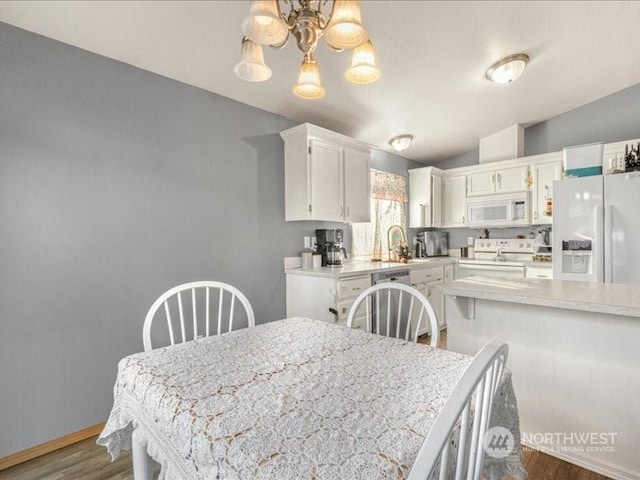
327	189
357	190
419	197
436	198
543	177
481	183
512	179
453	199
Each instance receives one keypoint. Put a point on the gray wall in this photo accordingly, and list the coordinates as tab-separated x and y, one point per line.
614	118
115	185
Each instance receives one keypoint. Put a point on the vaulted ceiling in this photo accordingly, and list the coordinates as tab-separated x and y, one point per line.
433	57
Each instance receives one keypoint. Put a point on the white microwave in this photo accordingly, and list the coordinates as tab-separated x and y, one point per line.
502	211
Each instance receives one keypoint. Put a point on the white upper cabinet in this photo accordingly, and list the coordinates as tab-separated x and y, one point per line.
481	183
425	197
453	200
544	175
514	179
326	176
327	181
503	180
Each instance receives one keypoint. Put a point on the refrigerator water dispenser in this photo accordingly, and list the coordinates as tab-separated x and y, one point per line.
576	256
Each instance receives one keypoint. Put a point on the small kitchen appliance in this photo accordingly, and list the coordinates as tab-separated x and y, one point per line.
542	245
434	243
506	210
329	243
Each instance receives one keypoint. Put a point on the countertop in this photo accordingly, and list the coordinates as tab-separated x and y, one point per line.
607	298
364	268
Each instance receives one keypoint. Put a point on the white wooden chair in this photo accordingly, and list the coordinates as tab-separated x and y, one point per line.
464	421
397	295
175	295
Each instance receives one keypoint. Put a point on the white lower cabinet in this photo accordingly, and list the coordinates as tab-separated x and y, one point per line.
325	298
539	272
427	280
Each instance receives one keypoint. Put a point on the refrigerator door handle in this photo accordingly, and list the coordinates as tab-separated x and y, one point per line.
598	256
608	245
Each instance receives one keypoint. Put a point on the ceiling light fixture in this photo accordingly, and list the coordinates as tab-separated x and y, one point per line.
266	25
401	142
508	69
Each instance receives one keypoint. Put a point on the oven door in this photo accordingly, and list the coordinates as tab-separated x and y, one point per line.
492	271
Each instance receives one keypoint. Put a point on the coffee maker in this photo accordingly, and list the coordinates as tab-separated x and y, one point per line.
329	242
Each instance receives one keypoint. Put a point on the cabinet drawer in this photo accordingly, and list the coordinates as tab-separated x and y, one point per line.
427	275
343	312
539	272
353	286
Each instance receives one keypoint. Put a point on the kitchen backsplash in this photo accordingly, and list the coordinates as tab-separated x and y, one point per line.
458	236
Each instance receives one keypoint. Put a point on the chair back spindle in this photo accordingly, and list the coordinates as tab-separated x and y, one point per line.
466	414
197	289
398	323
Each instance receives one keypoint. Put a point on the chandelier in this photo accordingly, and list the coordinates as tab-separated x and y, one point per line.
343	29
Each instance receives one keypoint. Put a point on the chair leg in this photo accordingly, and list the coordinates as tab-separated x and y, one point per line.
142	462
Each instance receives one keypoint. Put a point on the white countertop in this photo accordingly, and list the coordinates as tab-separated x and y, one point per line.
612	299
364	268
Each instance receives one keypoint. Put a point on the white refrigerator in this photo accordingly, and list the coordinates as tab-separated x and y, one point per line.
596	228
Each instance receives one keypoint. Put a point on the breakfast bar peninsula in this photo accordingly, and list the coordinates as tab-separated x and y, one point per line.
575	358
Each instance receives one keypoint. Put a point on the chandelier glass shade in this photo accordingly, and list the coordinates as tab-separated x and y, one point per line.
308	85
363	68
343	29
251	66
263	25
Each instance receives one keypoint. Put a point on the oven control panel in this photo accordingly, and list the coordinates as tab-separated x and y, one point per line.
510	245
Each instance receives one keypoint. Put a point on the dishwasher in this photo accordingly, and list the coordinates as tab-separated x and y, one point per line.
397	276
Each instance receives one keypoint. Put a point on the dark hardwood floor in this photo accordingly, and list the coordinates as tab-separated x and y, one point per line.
87	461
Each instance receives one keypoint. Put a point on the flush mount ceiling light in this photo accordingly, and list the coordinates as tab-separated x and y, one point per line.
508	69
266	25
401	142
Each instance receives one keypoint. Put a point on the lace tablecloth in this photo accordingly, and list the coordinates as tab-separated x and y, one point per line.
292	399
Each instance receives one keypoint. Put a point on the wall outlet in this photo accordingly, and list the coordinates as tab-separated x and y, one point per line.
470	241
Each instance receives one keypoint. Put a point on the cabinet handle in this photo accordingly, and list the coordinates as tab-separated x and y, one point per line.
348	212
463	219
309	208
500	179
493	178
535	215
342	211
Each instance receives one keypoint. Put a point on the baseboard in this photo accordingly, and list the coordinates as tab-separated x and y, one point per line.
603	468
50	446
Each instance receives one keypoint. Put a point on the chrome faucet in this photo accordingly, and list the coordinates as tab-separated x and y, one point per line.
391	245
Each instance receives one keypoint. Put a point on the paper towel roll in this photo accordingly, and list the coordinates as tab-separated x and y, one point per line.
307	259
317	260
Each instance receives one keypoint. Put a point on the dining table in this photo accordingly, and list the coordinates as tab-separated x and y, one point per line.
292	399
